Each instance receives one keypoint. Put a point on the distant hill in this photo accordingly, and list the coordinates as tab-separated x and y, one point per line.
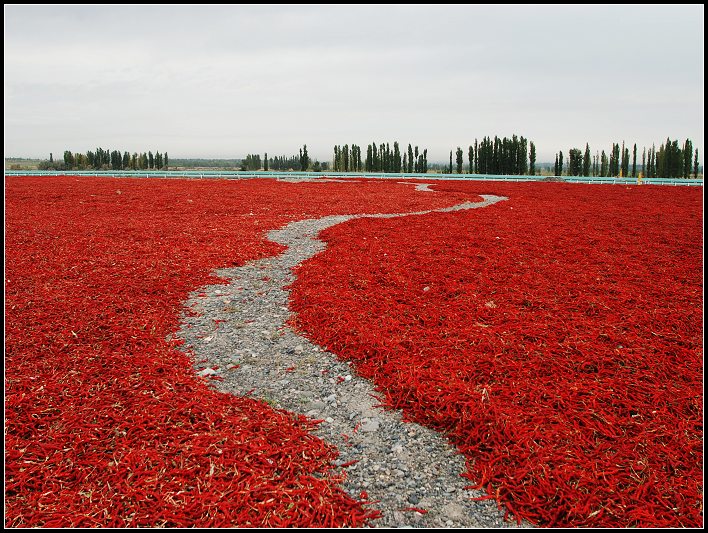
21	163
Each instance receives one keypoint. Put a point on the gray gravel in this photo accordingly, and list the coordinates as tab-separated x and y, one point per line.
240	333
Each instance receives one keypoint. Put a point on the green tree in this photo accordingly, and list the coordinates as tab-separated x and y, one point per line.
459	159
586	161
695	165
305	159
634	161
560	163
652	162
523	156
687	153
615	160
69	160
532	159
575	162
265	162
450	169
644	162
476	158
396	158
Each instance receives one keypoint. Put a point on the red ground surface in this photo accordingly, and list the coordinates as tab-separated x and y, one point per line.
106	423
556	338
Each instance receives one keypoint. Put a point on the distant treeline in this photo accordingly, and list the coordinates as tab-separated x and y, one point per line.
301	162
672	160
101	159
380	159
513	155
508	156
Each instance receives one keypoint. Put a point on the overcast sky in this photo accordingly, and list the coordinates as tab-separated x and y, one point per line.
223	82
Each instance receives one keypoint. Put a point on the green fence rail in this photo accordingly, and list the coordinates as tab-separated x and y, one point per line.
221	174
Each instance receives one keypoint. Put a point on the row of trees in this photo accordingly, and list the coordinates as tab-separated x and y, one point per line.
282	162
380	158
253	162
299	162
509	156
672	160
102	159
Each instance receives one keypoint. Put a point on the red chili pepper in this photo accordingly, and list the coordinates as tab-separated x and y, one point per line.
416	509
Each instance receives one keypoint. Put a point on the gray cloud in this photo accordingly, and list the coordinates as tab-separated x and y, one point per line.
219	81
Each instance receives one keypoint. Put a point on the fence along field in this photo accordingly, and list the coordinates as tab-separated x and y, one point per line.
596	288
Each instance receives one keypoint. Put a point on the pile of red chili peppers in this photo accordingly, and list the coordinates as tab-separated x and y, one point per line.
555	338
106	423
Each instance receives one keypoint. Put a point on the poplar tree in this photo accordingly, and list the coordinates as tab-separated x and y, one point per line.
396	158
575	162
476	157
652	161
644	162
604	165
532	159
450	170
459	160
470	157
586	160
615	160
687	153
695	164
625	162
634	161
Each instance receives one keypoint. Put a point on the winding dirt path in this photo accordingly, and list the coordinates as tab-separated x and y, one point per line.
240	333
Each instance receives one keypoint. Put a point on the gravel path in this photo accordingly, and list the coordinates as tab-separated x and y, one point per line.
239	333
